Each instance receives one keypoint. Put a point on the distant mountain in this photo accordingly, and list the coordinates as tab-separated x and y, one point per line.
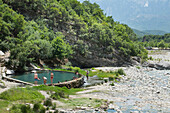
148	32
155	32
139	14
140	33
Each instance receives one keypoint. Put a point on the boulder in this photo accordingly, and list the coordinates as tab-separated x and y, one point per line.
10	72
1	53
157	65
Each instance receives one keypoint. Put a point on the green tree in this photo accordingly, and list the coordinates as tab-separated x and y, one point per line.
161	44
61	49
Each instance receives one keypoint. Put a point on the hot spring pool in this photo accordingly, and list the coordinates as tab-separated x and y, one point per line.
58	76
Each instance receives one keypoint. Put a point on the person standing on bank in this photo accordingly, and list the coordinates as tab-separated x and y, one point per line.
87	74
52	76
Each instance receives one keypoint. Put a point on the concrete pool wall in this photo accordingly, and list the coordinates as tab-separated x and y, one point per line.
69	84
72	83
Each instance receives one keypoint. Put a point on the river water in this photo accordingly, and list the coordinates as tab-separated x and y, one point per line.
146	92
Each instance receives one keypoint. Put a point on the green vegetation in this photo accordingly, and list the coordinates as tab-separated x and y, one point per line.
48	102
64	90
138	67
2	83
20	108
56	30
111	74
16	94
3	105
160	41
31	95
150	58
83	102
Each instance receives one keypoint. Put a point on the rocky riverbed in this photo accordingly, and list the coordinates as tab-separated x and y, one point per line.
144	90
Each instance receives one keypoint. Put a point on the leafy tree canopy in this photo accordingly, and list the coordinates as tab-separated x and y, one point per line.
58	29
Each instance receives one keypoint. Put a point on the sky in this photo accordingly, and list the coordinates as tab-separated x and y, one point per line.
139	14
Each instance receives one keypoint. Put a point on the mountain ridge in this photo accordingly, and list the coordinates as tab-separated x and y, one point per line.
149	32
141	15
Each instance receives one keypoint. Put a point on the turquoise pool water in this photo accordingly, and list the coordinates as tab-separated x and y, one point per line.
58	76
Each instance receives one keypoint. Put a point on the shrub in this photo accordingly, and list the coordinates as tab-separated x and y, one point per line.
26	109
71	68
58	95
48	102
54	106
36	107
56	111
105	80
137	67
150	58
111	78
121	72
112	84
93	68
21	109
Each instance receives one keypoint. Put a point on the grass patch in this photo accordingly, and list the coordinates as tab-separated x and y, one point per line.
138	67
57	92
83	102
95	91
71	91
3	105
16	94
111	74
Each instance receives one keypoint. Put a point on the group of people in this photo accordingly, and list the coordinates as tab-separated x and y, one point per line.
36	78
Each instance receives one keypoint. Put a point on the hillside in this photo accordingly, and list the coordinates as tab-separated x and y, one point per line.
148	32
139	14
140	33
161	41
58	32
155	32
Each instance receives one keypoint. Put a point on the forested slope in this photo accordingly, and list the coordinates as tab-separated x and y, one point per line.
55	30
162	41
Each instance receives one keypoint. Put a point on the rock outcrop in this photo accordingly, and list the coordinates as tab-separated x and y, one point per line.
162	65
97	61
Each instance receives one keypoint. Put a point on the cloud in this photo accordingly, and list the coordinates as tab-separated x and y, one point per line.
146	4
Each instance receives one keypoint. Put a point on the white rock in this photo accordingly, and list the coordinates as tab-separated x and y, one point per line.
10	72
1	53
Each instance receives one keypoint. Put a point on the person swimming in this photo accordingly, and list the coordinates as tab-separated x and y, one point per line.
52	76
45	80
36	78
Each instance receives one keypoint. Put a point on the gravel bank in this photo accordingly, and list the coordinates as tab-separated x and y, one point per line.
144	90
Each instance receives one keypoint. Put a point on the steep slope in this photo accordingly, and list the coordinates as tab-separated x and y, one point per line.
95	40
139	14
140	33
148	32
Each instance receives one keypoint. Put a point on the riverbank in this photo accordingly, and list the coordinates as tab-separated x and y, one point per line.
138	91
142	89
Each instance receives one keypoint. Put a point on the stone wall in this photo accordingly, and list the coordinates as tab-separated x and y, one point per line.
71	84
